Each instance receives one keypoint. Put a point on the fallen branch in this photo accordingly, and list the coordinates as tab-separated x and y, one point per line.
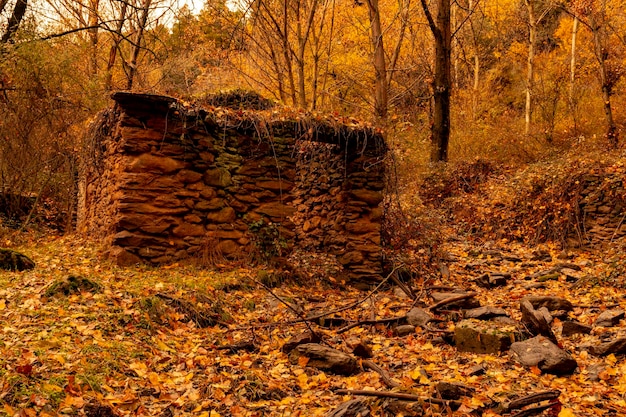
532	399
452	300
398	396
383	374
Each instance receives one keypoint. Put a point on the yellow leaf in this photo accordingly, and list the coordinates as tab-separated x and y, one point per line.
3	304
302	361
140	368
566	412
303	380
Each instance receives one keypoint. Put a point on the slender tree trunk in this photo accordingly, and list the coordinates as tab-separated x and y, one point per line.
14	21
572	75
143	20
530	68
572	64
381	97
599	34
117	39
93	35
440	130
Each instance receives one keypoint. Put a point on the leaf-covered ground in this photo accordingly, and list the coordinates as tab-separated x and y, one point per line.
132	343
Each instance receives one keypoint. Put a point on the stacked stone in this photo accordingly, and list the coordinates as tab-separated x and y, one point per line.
175	184
602	208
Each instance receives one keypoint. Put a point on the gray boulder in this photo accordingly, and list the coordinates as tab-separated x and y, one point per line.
542	353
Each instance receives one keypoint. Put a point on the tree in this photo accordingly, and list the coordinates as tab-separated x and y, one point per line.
442	80
19	10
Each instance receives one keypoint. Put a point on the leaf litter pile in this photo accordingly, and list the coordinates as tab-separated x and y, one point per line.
82	337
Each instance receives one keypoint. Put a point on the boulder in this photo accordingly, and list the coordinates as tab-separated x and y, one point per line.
492	280
325	358
11	260
550	302
485	313
479	336
217	177
609	318
536	321
404	330
121	257
542	353
617	346
571	328
418	317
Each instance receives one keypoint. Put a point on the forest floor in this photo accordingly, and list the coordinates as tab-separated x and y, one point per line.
180	340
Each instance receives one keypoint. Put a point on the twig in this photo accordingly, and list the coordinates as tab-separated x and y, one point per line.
365	322
452	300
383	374
532	410
292	308
397	395
403	286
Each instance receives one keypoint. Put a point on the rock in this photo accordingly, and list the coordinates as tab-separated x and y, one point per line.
467	303
353	408
11	260
484	336
362	226
542	353
492	280
325	358
187	229
536	321
74	284
276	210
122	257
617	346
418	317
453	390
372	198
225	215
217	177
609	318
152	163
354	257
404	330
476	370
187	176
302	338
227	248
571	328
550	302
484	313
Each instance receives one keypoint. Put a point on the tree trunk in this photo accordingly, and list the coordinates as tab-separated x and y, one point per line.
117	38
572	75
14	21
440	130
143	20
607	86
93	36
380	90
530	69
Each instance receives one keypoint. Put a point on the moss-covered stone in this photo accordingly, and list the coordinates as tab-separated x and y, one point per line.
484	336
74	284
15	261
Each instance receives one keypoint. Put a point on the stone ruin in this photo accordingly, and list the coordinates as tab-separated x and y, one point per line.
163	182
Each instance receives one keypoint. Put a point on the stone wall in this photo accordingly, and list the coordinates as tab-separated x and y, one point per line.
602	208
162	182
